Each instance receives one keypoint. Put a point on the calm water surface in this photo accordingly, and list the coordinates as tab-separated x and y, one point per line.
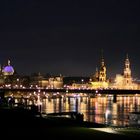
99	109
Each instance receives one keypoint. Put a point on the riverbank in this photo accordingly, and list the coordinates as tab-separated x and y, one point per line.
23	123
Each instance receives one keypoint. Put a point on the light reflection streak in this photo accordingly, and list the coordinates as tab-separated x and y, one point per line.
94	109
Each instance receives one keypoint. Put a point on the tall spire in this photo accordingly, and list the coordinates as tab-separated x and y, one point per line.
96	69
127	71
102	58
96	73
127	56
127	63
102	73
9	62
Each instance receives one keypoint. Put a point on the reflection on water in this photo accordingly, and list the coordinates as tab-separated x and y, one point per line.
100	109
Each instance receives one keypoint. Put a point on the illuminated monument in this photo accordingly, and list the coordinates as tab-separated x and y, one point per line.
124	81
47	82
8	70
102	73
5	73
99	79
127	72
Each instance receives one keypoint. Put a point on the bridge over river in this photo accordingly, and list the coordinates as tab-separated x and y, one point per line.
99	91
106	109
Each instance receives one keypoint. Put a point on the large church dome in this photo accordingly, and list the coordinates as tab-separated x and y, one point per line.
8	70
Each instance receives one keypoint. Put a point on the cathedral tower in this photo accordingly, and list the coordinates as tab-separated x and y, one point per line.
127	72
102	73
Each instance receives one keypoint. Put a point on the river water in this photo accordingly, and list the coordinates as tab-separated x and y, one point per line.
99	109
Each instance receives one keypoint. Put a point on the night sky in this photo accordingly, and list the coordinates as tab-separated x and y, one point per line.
67	36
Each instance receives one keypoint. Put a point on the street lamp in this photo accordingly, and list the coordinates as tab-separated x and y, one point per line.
82	80
18	82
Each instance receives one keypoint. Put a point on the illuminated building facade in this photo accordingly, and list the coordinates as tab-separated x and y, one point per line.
102	73
6	73
127	72
8	70
53	82
125	81
8	76
99	79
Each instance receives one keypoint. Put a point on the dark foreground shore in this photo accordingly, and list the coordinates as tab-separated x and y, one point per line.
21	123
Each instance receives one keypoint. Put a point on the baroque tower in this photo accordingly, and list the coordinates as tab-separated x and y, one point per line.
127	72
102	73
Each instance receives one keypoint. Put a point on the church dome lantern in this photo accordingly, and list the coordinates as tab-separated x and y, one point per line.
8	70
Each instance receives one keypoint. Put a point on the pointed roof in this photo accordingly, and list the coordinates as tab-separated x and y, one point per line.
102	59
127	58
